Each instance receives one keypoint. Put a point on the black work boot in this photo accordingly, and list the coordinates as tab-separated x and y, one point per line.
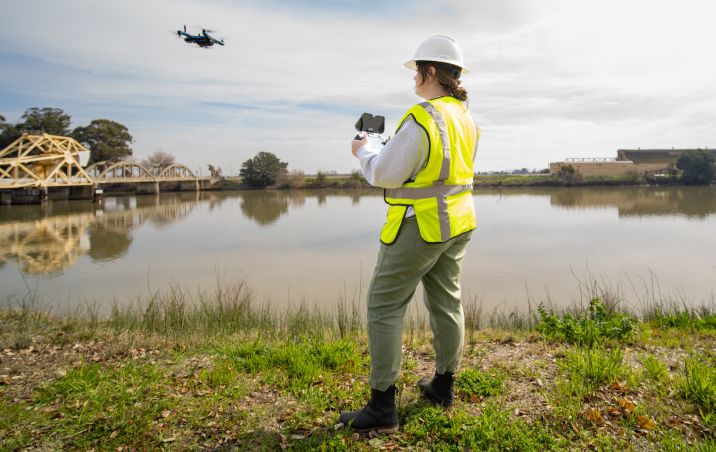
379	414
439	389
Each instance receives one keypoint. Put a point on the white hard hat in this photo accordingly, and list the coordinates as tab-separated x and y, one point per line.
443	49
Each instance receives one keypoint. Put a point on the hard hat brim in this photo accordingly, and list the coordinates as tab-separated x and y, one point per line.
412	63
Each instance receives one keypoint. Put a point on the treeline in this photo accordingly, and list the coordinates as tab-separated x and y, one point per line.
265	169
108	140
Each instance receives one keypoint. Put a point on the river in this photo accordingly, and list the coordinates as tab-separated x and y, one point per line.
317	244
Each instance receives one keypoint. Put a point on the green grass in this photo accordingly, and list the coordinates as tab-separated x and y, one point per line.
297	365
474	382
226	373
595	365
697	383
654	369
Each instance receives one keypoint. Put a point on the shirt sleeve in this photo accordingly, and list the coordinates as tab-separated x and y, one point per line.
399	160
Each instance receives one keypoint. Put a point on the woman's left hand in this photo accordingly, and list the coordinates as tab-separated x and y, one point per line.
357	144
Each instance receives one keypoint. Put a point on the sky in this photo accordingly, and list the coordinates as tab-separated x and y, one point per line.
548	80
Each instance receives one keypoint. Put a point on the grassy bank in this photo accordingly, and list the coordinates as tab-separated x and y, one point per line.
219	371
489	181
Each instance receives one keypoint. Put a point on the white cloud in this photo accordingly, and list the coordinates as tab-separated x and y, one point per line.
550	80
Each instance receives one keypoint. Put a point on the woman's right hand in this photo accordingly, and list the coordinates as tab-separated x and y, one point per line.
357	144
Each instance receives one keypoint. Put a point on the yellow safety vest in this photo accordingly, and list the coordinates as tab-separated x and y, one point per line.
441	193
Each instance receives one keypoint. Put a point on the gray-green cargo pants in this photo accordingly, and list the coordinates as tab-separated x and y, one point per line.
400	267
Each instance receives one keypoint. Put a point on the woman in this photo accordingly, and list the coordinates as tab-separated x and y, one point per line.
427	172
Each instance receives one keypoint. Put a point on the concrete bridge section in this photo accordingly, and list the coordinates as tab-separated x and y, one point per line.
35	163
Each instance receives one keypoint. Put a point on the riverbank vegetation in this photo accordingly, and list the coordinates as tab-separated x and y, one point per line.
221	371
296	179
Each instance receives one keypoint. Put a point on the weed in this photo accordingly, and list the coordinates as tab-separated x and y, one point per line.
492	430
697	383
597	364
474	382
595	325
296	364
654	369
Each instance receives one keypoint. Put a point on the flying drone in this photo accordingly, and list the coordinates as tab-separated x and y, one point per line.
202	40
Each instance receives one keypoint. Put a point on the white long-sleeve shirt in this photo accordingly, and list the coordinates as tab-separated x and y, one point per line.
401	159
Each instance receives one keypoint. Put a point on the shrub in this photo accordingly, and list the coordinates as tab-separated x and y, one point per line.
595	325
569	175
698	166
291	179
321	180
633	176
262	170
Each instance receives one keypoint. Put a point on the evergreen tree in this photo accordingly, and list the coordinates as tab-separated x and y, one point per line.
107	140
261	170
698	166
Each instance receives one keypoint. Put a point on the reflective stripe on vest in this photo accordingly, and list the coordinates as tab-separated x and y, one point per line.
442	200
441	192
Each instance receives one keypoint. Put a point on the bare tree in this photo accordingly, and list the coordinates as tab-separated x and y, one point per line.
158	158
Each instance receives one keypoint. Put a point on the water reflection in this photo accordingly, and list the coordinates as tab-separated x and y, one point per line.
50	239
691	202
45	245
266	207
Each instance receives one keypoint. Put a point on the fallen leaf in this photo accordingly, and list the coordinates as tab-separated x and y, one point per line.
539	383
282	438
644	422
297	437
595	416
474	398
166	413
355	437
49	409
113	434
338	426
626	404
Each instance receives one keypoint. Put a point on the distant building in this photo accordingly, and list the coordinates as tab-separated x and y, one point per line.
653	155
641	161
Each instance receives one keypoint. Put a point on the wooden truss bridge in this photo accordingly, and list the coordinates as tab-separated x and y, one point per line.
46	161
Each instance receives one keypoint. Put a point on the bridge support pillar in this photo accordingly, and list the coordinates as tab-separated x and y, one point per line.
192	185
25	196
147	187
81	192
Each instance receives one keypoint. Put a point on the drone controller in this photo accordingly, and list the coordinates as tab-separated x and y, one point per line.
372	126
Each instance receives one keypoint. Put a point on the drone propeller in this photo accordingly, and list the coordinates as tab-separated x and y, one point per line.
203	29
184	28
